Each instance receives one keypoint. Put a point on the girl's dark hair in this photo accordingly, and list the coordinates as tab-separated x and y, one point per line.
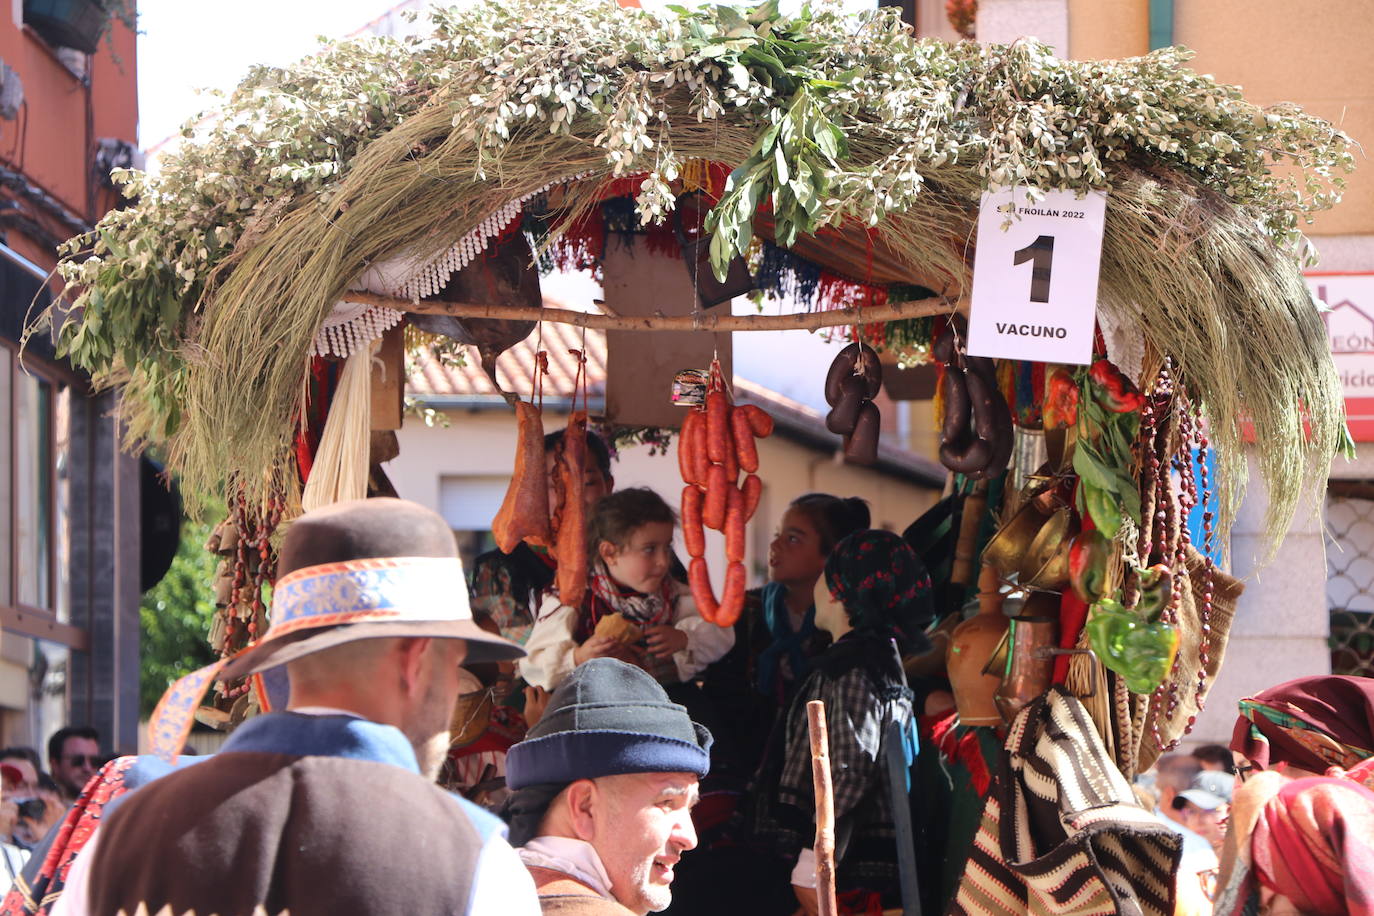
596	448
835	518
618	515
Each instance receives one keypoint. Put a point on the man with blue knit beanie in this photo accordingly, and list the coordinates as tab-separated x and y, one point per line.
603	790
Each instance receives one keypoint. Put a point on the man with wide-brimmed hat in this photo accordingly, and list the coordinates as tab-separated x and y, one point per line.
329	806
604	786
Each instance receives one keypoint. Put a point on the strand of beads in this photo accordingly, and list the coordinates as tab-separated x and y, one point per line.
1163	528
1187	499
1209	568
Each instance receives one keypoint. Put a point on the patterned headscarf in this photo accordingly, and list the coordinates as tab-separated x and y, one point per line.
882	583
1312	722
1314	844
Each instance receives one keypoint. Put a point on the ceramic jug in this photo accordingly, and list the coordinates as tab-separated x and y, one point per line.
971	647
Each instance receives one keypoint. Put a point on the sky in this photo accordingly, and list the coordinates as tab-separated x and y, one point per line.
184	47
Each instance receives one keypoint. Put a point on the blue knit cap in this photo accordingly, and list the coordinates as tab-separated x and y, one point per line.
608	718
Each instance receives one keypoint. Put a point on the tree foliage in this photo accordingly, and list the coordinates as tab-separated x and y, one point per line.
175	615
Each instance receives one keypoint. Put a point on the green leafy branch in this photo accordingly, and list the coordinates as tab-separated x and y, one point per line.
1102	458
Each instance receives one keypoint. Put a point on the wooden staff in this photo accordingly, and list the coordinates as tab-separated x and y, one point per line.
702	321
825	808
966	547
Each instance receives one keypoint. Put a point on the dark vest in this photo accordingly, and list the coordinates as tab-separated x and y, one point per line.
256	826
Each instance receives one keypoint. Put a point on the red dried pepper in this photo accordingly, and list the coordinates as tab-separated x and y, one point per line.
1061	400
1114	390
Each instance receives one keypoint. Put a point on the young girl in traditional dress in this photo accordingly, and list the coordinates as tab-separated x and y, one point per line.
776	636
633	609
875	601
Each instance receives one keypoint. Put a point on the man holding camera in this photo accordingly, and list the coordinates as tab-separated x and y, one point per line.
13	855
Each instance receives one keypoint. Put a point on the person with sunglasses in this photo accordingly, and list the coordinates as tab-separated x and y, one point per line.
73	757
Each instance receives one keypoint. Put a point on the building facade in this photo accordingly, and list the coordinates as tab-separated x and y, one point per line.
69	497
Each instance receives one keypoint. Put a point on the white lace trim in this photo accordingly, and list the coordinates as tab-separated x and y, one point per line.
352	324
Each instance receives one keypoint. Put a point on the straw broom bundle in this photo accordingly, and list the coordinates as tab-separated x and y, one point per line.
340	468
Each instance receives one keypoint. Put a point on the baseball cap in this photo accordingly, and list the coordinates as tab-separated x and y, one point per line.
1209	790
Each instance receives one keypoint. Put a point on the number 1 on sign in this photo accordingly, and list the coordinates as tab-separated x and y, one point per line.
1041	255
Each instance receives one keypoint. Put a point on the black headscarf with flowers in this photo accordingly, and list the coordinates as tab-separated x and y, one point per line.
882	584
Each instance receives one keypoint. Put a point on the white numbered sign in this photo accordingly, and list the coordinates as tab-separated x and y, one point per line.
1035	284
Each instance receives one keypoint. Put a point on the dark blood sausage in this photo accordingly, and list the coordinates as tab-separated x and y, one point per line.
524	513
732	597
955	426
699	578
984	366
969	458
991	422
717	494
960	449
981	402
840	369
943	348
745	449
1004	438
857	359
870	369
692	535
862	446
845	413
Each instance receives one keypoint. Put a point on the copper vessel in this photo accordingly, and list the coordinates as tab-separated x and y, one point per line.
1029	667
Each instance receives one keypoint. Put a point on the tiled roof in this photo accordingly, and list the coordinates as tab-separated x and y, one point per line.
429	378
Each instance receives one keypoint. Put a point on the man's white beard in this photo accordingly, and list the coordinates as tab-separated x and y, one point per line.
657	896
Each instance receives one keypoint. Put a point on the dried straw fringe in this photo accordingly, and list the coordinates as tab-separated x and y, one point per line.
1080	680
340	468
1190	269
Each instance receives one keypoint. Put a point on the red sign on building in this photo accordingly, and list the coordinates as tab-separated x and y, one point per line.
1350	329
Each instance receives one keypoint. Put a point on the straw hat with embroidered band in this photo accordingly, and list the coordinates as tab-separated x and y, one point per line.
362	569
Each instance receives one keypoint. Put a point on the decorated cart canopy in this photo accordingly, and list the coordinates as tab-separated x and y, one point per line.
833	163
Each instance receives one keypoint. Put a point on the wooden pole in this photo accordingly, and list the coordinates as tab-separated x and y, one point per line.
702	321
825	808
966	547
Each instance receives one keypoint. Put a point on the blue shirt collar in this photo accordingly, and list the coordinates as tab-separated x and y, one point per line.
324	736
